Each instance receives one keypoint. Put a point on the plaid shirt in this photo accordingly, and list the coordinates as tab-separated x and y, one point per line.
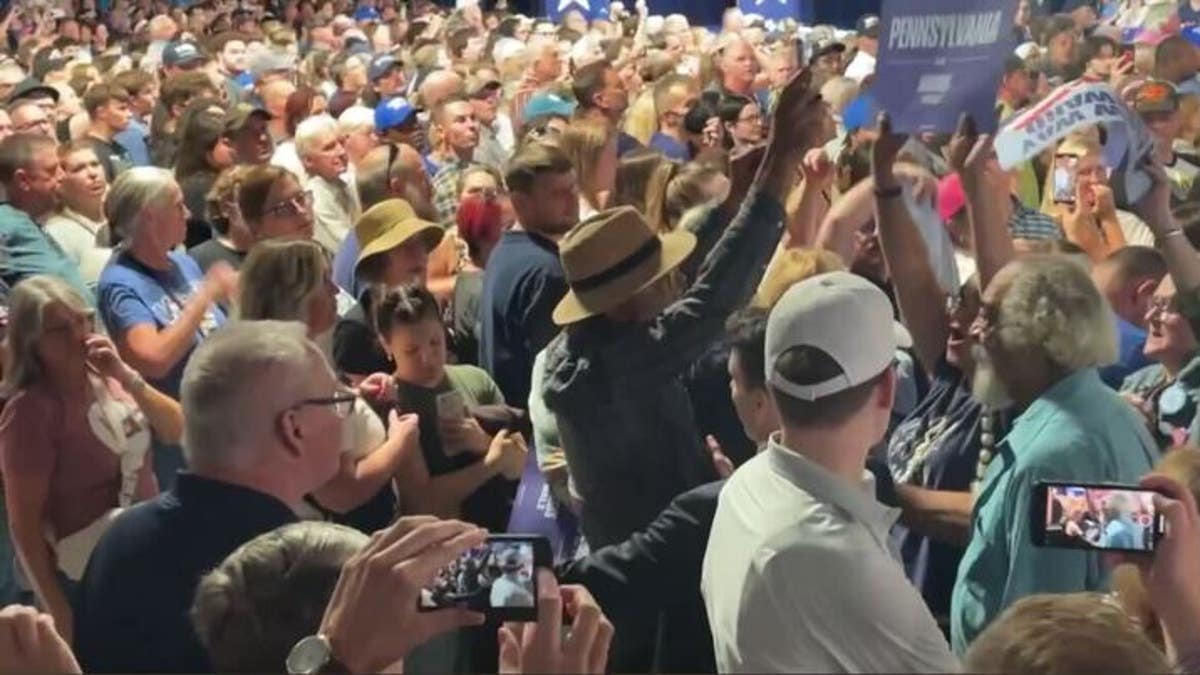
1026	223
445	191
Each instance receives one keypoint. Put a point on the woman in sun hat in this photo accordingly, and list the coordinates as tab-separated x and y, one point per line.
395	251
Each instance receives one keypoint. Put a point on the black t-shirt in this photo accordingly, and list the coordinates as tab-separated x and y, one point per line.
356	351
113	156
195	195
213	250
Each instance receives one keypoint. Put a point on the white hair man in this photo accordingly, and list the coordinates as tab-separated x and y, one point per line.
262	430
335	202
1042	330
356	125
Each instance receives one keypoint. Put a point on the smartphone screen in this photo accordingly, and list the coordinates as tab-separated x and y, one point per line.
497	578
1065	177
1095	517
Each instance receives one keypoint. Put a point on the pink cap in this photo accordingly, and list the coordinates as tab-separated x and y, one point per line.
951	199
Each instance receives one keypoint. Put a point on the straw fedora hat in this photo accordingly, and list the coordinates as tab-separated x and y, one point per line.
611	257
389	224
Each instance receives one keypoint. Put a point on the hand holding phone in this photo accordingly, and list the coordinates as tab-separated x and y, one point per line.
545	647
1065	179
1095	516
496	577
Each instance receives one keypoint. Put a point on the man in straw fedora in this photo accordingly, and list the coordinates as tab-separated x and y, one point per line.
612	378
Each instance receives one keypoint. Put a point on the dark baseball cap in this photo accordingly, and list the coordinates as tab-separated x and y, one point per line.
827	46
381	65
1155	96
32	88
182	55
237	116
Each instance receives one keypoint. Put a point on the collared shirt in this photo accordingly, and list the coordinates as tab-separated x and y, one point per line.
335	210
799	576
616	389
445	191
26	249
490	152
132	612
1078	430
78	237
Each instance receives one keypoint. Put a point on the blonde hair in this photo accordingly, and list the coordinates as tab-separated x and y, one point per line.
641	119
839	92
642	180
1064	633
584	143
27	304
277	278
270	593
791	266
685	191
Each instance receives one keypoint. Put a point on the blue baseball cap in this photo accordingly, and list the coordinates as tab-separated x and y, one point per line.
542	105
393	113
181	55
1191	33
860	114
366	13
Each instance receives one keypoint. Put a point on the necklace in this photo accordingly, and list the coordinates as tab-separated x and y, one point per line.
987	448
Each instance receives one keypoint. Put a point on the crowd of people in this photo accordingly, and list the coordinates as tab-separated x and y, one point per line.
296	296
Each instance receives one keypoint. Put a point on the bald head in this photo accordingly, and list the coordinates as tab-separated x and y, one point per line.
405	180
1175	59
739	65
1127	279
441	85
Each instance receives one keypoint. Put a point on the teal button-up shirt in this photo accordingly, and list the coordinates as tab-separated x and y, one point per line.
26	250
1079	430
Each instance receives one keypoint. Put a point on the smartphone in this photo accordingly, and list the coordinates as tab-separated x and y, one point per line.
1065	178
451	407
497	577
1095	516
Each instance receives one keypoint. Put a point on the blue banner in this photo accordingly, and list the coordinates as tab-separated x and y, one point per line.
592	9
535	511
777	10
937	60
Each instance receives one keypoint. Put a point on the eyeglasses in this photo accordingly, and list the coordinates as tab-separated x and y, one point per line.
293	206
341	403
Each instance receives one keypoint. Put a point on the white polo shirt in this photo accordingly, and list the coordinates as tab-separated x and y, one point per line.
799	576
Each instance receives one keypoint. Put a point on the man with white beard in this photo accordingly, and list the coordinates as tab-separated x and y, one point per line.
1042	329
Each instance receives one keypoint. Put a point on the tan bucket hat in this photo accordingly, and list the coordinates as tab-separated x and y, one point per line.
389	224
611	257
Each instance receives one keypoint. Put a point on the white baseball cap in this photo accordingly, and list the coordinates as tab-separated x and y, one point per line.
843	315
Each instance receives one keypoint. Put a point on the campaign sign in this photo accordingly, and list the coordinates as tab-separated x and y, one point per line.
1073	107
535	511
938	60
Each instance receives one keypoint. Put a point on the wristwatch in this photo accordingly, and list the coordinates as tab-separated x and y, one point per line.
313	655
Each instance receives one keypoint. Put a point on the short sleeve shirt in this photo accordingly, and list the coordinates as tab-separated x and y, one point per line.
132	294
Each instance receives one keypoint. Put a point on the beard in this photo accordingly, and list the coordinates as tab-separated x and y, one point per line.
986	386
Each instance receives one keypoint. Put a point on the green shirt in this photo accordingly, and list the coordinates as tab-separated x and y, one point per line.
26	250
1078	430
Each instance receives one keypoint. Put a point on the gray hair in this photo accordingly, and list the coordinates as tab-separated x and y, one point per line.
26	312
237	382
311	131
131	194
356	117
1052	307
270	593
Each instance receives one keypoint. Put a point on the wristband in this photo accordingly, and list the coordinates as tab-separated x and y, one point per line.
888	192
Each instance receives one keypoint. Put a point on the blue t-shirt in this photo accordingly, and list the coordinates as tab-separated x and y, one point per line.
26	250
669	147
132	294
522	283
1130	359
133	139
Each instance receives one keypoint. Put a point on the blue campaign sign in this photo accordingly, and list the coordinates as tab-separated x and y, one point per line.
592	9
937	60
776	10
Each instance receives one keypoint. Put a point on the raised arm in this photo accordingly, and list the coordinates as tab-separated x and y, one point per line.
1155	209
989	204
922	299
731	272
